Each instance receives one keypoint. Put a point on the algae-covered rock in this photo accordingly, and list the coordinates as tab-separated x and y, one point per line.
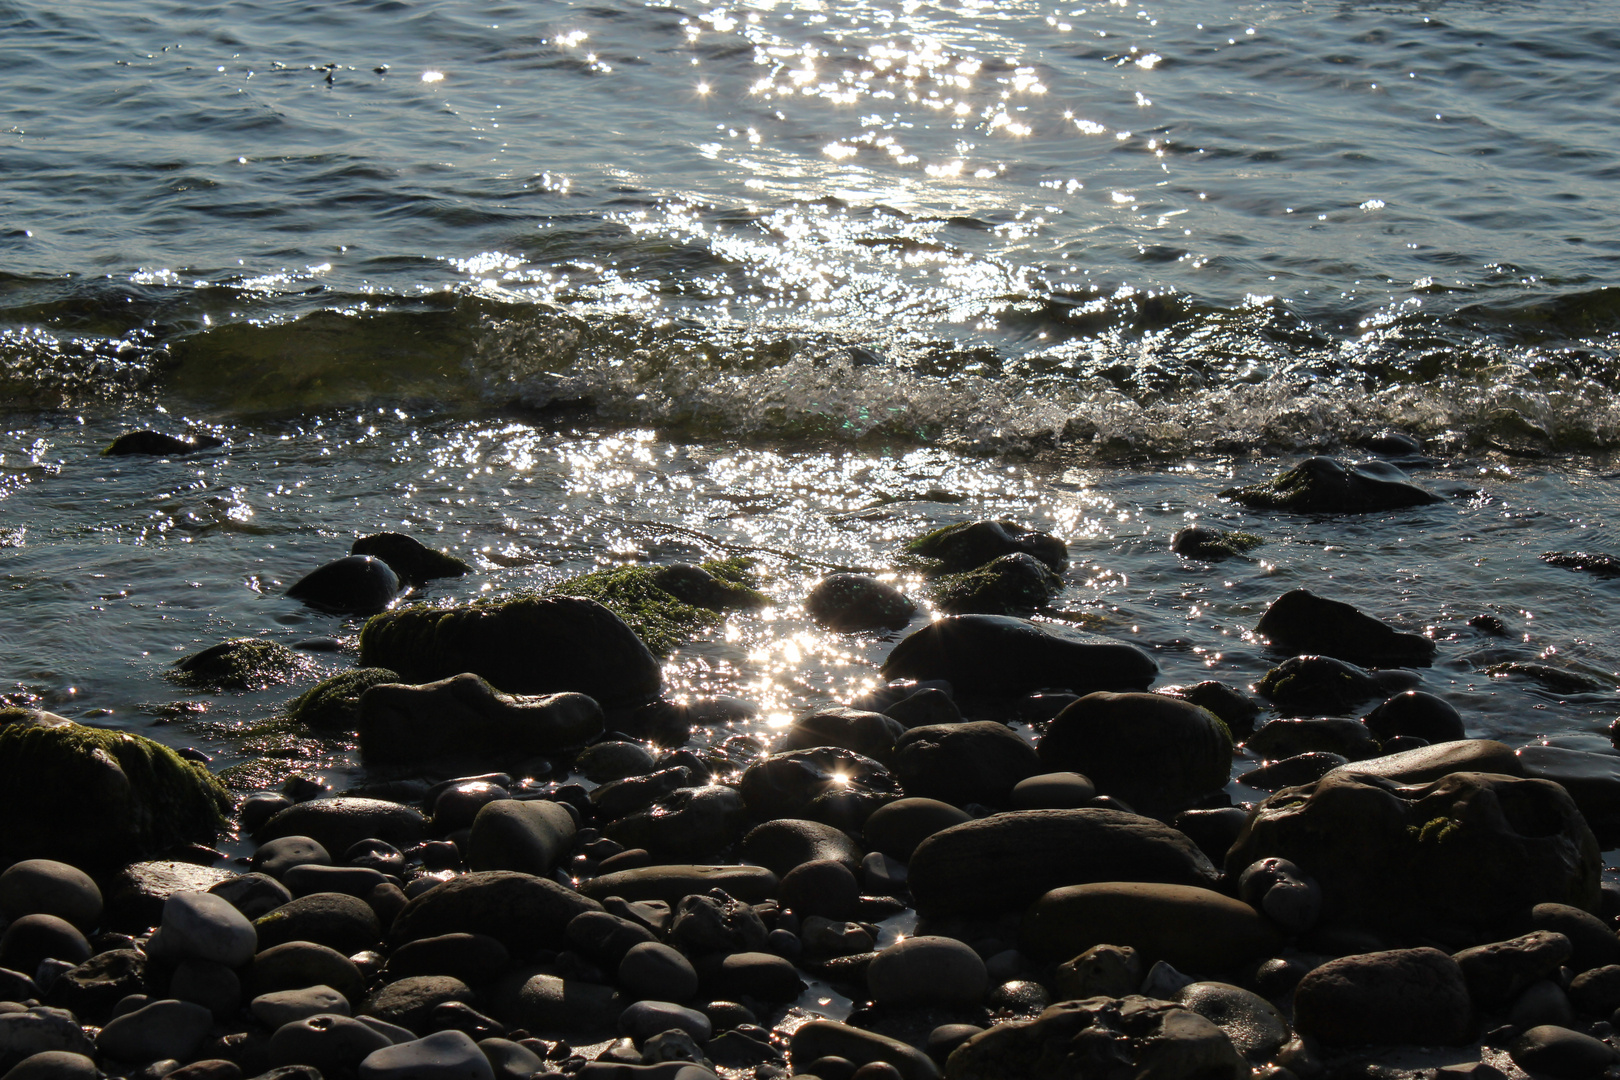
1317	684
667	606
527	645
1006	585
98	798
1325	485
242	663
1000	654
969	545
408	557
334	704
1213	545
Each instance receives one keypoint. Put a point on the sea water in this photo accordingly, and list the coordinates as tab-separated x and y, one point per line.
562	286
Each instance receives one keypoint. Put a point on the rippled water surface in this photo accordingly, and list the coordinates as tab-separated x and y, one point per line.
558	286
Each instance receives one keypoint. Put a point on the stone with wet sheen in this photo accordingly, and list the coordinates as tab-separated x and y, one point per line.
1000	654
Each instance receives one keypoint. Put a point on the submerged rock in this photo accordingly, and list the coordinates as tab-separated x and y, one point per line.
466	717
529	645
1155	752
850	603
352	585
998	654
1465	855
97	798
156	444
1003	586
1213	545
1325	485
969	545
1300	622
1593	562
242	663
409	558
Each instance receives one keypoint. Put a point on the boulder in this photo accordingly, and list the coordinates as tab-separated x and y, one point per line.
409	558
1299	622
1469	853
1401	997
1005	861
528	645
96	798
1155	752
1009	585
1101	1037
999	654
969	545
521	911
465	718
334	704
352	585
1193	929
972	762
827	784
1325	485
850	603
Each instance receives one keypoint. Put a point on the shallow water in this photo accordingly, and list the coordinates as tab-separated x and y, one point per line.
557	286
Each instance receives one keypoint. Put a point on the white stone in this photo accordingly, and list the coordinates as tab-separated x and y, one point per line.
202	926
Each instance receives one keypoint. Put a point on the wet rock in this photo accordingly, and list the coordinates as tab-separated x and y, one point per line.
1548	1050
334	704
927	705
617	798
1283	892
927	970
357	881
969	545
344	923
1401	997
998	654
1300	622
1155	752
970	762
1114	971
137	893
1214	830
1005	861
1499	972
339	823
276	857
97	798
464	717
851	603
240	664
1556	680
1592	780
1425	763
869	734
758	975
579	1011
687	824
646	1019
652	969
1134	1036
830	1039
1213	545
1593	562
827	784
826	888
521	911
786	843
1286	738
1052	791
1318	684
1470	852
158	444
1236	709
673	881
1010	585
1254	1025
413	561
1194	929
716	923
48	887
1414	712
1325	485
527	836
529	645
1293	771
352	585
39	1029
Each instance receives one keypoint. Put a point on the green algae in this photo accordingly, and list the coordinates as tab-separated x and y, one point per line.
667	610
1010	585
334	704
241	664
966	546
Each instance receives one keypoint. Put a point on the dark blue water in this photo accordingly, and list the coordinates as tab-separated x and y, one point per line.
558	286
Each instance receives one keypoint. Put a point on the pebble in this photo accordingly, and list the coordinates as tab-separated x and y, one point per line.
927	970
157	1030
333	1043
653	969
203	926
48	887
286	1006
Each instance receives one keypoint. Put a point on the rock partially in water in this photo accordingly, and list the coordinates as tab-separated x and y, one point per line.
352	585
1286	738
1318	684
1005	861
851	603
827	784
1213	545
242	663
96	798
1325	485
668	606
1235	708
464	717
998	654
1008	585
334	704
1299	622
409	558
1593	562
1417	713
1156	752
1592	780
529	645
158	444
1103	1037
967	546
1463	856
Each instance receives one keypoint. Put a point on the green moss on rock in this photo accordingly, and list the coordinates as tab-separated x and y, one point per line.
1011	585
667	606
98	798
334	705
241	664
969	545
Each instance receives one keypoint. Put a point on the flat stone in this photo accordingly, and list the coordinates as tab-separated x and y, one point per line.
1194	929
137	893
54	1065
446	1055
670	883
41	1028
409	1001
1400	997
1000	654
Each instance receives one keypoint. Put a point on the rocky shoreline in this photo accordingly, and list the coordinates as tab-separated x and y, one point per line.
1019	858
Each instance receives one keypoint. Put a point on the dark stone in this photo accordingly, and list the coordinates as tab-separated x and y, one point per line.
1596	991
1469	853
136	895
1009	585
299	964
1236	710
409	1002
1592	941
334	704
606	938
1292	771
1299	622
1499	972
851	603
1325	485
671	882
1415	712
827	784
473	958
32	938
1593	562
522	912
1213	545
870	734
998	654
465	719
966	546
157	444
1424	763
1006	861
896	828
973	762
352	585
1592	780
1548	1050
929	705
527	836
91	990
1401	997
1286	738
1155	752
826	888
685	825
336	920
240	664
1194	929
409	558
785	843
337	824
822	1039
1317	684
529	645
